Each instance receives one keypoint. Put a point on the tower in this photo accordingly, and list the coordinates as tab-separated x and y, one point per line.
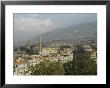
29	45
40	45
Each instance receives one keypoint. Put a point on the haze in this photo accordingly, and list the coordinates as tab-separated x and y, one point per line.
27	26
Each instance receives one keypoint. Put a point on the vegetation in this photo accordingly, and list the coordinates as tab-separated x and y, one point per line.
48	68
81	64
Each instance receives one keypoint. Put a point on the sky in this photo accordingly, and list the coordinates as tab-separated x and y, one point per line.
29	25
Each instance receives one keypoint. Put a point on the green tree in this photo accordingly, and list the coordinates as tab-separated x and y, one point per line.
82	64
48	68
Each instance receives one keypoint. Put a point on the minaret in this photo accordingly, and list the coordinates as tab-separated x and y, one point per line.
29	44
40	45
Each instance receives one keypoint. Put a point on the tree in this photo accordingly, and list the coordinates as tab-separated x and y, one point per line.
81	64
48	68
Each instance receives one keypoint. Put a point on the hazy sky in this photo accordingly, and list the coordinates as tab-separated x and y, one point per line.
27	26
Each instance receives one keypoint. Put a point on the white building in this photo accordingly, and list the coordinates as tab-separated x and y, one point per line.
20	66
21	69
47	51
88	48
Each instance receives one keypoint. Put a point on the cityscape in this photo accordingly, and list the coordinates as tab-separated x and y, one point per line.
67	50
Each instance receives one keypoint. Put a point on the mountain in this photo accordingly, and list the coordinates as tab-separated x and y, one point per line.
80	31
86	30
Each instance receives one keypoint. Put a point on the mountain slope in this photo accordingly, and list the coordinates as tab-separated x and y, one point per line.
70	32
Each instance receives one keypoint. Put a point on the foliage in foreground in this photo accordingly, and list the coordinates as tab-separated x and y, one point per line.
82	64
48	68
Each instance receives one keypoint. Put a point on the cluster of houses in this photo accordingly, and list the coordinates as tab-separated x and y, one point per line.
23	60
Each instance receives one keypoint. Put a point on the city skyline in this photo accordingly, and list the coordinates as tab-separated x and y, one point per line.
58	44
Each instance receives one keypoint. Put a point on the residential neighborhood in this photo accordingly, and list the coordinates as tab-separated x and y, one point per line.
63	54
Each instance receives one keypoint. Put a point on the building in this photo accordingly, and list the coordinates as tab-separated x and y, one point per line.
47	51
20	66
88	48
94	55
